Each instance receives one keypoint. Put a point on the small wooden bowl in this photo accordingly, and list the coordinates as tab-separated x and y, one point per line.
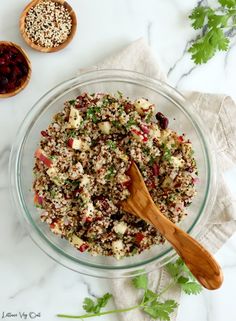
40	48
26	78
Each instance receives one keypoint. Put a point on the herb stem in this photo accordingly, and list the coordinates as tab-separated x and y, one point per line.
90	315
170	285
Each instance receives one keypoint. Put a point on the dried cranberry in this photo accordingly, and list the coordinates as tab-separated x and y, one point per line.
4	70
23	68
17	72
163	121
139	237
150	184
18	59
2	61
3	81
44	133
7	56
11	86
155	169
145	129
128	107
77	191
82	102
83	247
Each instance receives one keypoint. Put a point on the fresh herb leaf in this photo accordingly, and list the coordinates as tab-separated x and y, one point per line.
140	281
166	153
182	280
149	296
130	123
214	23
148	117
116	123
198	16
110	173
72	102
91	306
72	133
88	305
152	160
183	277
92	113
191	287
228	3
161	311
172	269
111	144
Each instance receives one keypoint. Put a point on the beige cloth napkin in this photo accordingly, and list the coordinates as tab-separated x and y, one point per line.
219	114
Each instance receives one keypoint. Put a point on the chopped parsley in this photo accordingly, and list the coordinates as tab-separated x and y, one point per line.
111	144
72	102
53	193
116	123
72	133
110	173
151	161
148	117
166	153
92	113
130	123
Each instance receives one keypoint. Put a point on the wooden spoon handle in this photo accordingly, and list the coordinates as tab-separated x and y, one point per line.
199	261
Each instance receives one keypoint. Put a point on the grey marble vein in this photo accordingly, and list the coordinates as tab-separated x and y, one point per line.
186	74
38	283
149	31
172	68
89	288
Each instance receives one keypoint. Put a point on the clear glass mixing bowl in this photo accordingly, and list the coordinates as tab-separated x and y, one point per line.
182	118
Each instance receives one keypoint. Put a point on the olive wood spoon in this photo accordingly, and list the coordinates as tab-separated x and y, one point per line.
199	261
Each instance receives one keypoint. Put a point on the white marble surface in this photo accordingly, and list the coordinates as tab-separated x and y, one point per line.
31	281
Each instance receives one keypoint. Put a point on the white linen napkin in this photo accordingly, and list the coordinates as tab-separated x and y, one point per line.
219	114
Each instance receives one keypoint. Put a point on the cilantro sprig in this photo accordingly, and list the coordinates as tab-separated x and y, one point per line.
214	22
151	303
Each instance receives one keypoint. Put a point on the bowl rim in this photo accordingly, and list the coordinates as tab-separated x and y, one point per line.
54	251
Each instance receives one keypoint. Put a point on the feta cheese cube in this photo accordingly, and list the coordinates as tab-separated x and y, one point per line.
118	248
120	228
52	172
105	127
75	118
142	106
177	162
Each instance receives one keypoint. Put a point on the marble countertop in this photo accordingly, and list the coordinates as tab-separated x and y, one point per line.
31	281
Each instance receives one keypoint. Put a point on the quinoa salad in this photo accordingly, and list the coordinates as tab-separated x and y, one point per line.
80	172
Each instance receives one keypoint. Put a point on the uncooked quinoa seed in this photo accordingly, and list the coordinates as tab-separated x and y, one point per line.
48	24
81	172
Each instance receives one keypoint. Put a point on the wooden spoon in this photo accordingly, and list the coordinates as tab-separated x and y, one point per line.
199	261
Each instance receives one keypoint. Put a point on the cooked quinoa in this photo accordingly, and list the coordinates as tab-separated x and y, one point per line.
81	172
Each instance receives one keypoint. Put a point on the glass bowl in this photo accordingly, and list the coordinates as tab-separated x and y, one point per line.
182	118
